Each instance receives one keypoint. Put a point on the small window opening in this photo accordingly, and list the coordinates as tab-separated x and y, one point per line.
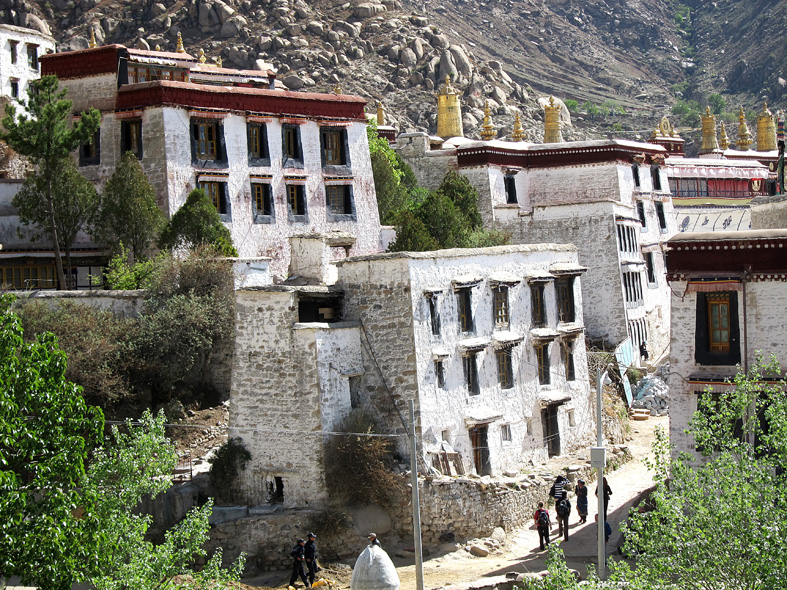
319	309
276	491
354	383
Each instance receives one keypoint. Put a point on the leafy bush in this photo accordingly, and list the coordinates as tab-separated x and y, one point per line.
123	276
571	104
225	466
196	224
357	467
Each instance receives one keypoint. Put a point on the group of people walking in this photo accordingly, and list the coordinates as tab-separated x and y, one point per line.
563	509
304	565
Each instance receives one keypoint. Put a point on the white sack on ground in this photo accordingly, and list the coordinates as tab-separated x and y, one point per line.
374	570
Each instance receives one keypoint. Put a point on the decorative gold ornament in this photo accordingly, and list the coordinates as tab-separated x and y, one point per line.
709	141
158	47
744	135
766	130
219	62
519	133
179	48
552	127
488	132
202	59
724	142
380	114
92	43
665	127
449	112
337	89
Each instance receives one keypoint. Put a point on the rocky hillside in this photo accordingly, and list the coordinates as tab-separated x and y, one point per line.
616	62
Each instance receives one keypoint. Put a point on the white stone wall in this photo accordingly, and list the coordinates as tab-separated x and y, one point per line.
764	303
20	71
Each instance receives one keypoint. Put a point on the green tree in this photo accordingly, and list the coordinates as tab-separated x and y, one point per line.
46	135
463	195
717	104
129	215
46	433
446	222
412	235
197	223
74	204
394	181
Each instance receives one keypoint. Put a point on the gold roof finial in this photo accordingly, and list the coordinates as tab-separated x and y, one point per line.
449	112
766	130
180	48
552	127
518	133
92	43
202	59
158	47
709	141
337	89
724	141
219	62
487	131
744	135
380	114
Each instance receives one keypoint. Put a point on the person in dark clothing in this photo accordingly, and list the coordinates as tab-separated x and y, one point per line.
643	351
556	491
607	493
543	524
582	501
310	555
373	540
563	509
297	554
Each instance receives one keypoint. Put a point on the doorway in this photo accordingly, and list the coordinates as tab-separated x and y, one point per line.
478	440
551	429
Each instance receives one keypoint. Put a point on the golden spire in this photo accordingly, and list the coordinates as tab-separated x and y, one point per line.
92	43
487	131
380	114
337	89
724	142
179	48
449	112
158	47
518	133
709	141
219	62
552	132
766	130
202	59
744	135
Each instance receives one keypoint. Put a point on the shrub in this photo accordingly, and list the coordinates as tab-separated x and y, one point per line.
571	104
357	467
225	466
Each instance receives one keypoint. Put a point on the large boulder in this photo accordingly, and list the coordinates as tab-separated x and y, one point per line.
447	65
293	82
367	9
407	57
463	65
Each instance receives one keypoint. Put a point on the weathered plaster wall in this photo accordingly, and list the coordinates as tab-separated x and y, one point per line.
769	215
429	167
95	91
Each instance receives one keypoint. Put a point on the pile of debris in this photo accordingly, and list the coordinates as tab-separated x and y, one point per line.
652	393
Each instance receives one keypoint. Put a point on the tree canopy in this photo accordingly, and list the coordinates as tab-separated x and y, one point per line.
197	223
44	133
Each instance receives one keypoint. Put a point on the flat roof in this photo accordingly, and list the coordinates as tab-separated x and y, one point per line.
463	252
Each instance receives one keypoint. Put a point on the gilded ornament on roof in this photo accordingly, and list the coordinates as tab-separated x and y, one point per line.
487	131
744	140
519	133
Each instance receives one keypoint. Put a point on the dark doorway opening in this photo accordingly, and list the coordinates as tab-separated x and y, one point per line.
480	444
276	491
551	429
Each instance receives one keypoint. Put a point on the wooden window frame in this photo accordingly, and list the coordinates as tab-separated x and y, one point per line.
262	202
32	56
14	88
131	137
464	304
542	359
719	337
296	200
566	307
207	142
26	277
567	348
661	216
257	136
333	144
339	201
505	368
641	212
470	366
538	306
500	308
291	146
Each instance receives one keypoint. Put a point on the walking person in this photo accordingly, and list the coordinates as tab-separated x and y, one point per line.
310	555
582	501
297	554
543	524
563	509
607	492
556	491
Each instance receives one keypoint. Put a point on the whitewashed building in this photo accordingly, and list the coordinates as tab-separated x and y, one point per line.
728	300
608	197
20	50
275	163
489	343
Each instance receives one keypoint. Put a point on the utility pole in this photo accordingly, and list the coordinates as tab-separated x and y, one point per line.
598	459
419	559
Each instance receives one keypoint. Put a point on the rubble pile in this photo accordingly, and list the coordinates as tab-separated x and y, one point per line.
652	393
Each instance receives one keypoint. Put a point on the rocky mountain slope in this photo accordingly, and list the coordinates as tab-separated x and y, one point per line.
609	56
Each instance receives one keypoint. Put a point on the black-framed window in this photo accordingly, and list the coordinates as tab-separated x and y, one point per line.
564	287
32	56
131	137
434	313
464	302
567	348
470	364
655	174
217	194
296	202
650	267
292	149
635	173
14	50
641	212
717	334
538	306
334	148
509	181
439	371
542	360
207	143
257	138
505	368
339	201
500	311
14	88
90	153
661	216
262	203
